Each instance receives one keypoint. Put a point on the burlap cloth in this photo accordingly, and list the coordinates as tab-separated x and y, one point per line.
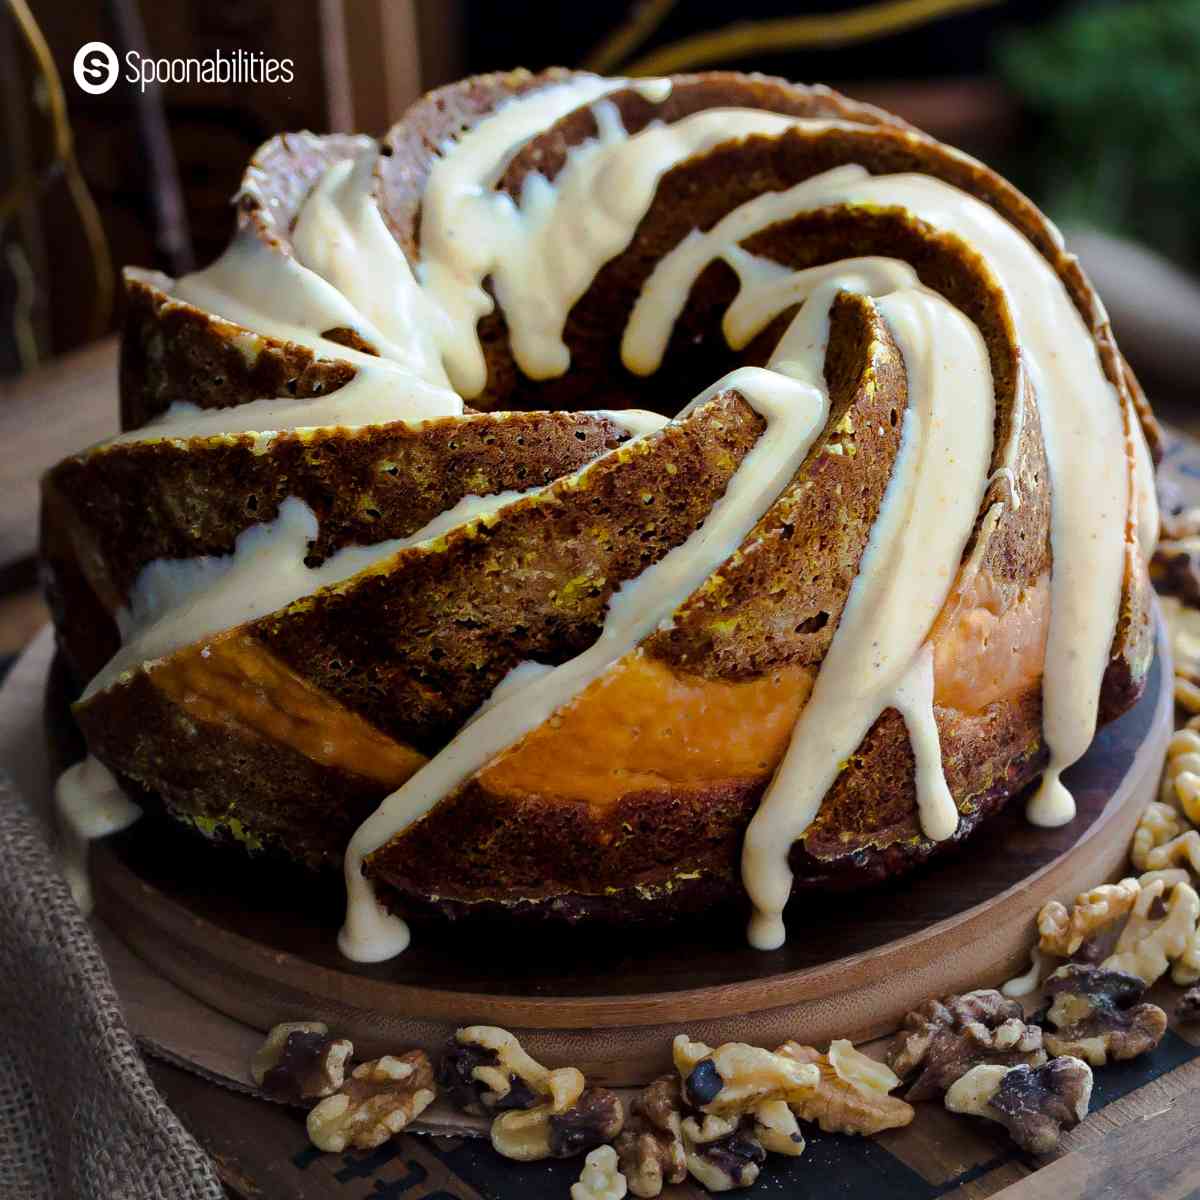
79	1117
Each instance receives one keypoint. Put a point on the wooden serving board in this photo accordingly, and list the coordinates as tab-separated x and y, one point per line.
260	945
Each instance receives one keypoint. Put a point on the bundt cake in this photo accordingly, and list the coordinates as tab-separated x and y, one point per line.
606	497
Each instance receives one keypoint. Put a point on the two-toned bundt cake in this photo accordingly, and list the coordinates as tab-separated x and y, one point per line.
606	497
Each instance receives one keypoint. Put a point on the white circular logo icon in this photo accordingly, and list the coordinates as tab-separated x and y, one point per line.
96	67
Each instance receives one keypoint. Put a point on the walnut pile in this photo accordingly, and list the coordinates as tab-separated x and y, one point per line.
943	1039
299	1062
1035	1104
571	1120
1160	912
853	1094
539	1113
601	1178
727	1108
1098	1015
379	1099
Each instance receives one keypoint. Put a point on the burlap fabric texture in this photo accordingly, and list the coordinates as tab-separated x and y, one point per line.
79	1117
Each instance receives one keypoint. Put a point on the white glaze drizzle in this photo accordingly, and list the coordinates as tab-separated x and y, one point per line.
276	295
905	575
89	803
176	602
913	699
1026	984
541	253
341	235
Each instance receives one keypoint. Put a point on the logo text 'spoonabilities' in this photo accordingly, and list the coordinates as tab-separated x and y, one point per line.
97	68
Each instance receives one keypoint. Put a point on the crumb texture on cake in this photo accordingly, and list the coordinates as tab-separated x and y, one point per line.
420	473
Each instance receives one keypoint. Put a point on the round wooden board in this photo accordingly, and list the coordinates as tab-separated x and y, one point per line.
260	946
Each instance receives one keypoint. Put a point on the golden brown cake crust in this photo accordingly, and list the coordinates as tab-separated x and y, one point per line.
416	649
119	509
172	352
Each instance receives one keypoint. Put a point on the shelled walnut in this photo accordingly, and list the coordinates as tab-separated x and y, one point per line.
1182	851
379	1099
852	1096
776	1129
601	1178
598	1116
1188	1008
1158	826
1181	774
539	1113
736	1077
1159	931
1175	564
485	1069
1183	627
722	1153
299	1062
651	1145
1035	1104
572	1120
943	1039
1097	1015
1063	931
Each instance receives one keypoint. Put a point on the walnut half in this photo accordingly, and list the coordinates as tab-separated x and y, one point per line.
378	1100
1035	1104
735	1078
1181	774
601	1178
299	1062
1159	932
572	1120
1188	1008
1063	931
943	1039
722	1153
651	1146
485	1069
1097	1015
776	1130
852	1096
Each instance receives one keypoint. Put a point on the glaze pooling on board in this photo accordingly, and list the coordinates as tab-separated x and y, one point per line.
1027	983
89	803
541	251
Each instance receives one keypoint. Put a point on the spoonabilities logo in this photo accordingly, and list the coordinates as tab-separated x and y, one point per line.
96	67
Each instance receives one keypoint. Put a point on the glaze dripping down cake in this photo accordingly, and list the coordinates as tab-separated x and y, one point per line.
604	498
